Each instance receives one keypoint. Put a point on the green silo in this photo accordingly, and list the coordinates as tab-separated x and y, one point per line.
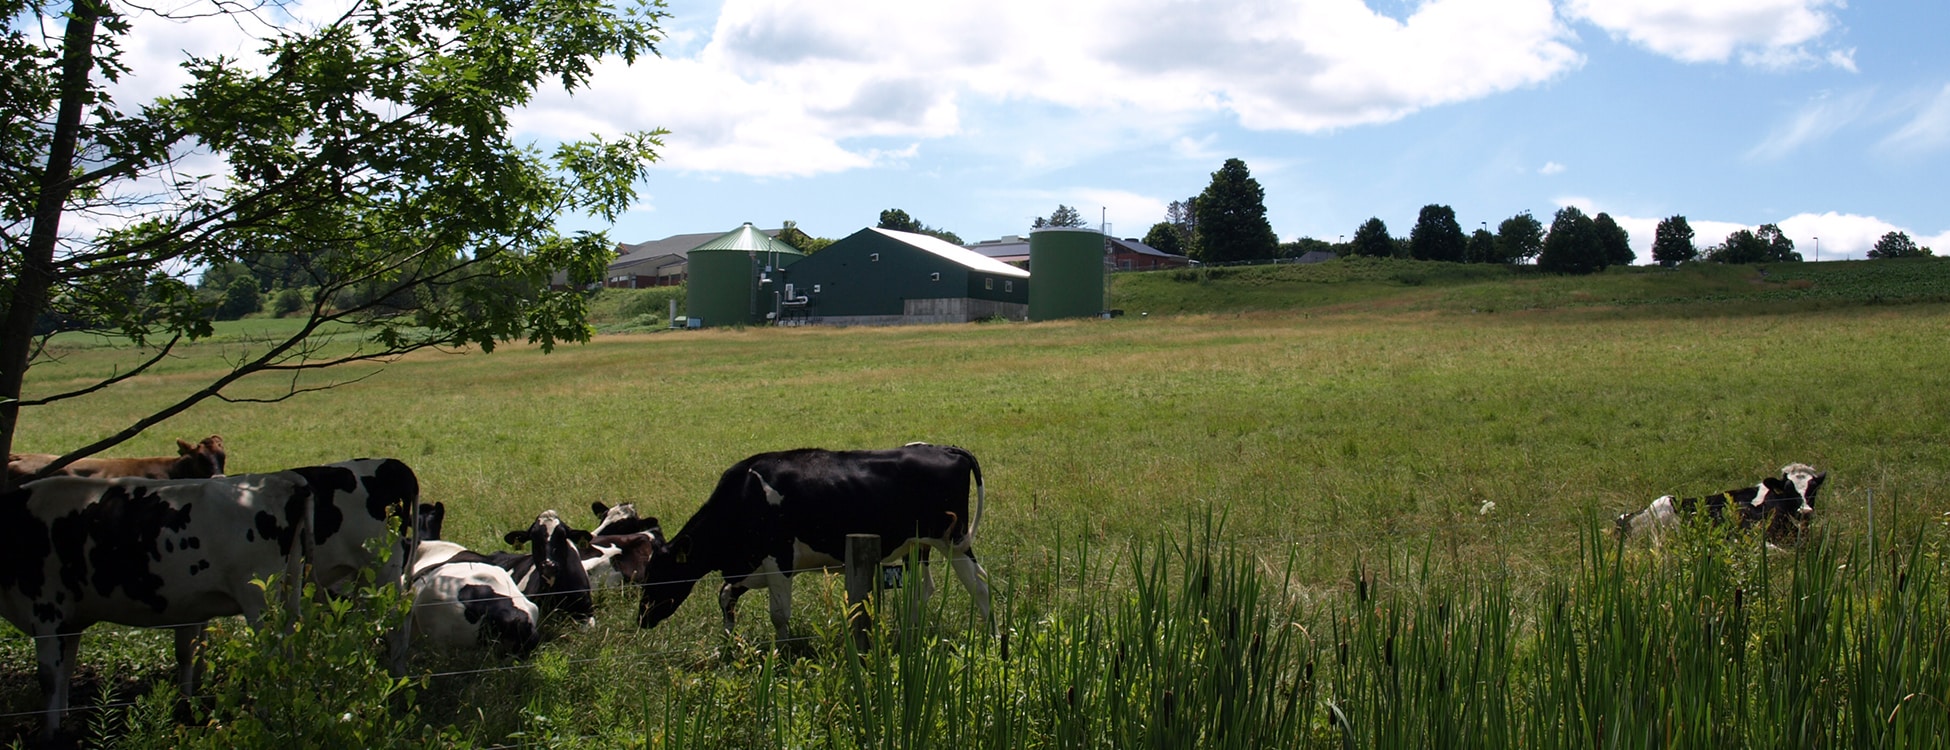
1067	265
733	278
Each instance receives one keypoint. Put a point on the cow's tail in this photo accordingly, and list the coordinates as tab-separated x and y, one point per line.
974	519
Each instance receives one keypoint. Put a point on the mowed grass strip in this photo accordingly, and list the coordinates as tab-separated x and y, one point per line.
1322	440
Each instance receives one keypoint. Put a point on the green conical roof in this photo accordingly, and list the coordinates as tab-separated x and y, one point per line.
747	239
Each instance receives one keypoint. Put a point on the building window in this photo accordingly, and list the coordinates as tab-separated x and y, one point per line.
1008	286
934	276
988	283
874	258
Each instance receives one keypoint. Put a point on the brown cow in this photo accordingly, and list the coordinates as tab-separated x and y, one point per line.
192	461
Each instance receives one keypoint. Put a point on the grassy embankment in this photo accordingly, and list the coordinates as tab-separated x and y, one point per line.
1362	427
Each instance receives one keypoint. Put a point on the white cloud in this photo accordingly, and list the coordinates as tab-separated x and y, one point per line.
1842	236
1927	130
1550	168
1762	33
796	88
1817	120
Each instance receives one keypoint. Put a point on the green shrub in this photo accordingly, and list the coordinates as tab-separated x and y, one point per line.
319	677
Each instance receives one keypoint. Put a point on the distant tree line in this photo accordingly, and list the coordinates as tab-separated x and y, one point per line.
1226	222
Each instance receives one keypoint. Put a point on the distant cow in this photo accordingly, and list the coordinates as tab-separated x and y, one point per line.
774	513
192	461
458	603
1785	504
75	551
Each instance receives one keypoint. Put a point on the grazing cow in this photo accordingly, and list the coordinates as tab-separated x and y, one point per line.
76	551
1786	504
774	514
459	602
192	461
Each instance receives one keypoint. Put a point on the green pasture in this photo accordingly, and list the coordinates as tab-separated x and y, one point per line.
1432	430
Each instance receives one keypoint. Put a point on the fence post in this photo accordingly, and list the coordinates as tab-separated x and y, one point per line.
862	584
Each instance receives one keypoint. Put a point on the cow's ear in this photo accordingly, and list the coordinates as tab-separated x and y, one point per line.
680	550
581	537
599	508
183	447
1777	484
515	538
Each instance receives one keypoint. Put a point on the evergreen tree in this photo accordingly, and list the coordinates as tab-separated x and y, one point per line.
1231	217
1436	235
1371	239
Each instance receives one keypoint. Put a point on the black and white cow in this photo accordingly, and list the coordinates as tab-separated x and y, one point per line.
620	546
76	551
355	502
542	573
551	573
1785	504
461	603
774	514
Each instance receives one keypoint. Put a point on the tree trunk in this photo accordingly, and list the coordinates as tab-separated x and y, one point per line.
36	274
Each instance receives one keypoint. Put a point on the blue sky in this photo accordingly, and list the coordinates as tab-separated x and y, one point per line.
1828	118
1831	119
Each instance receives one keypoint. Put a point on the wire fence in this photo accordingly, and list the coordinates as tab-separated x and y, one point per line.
1489	525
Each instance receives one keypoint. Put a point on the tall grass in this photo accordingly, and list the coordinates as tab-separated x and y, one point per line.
1710	644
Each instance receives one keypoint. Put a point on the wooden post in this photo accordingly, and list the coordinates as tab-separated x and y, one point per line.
862	584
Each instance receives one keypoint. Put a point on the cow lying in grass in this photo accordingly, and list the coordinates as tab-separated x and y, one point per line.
1785	505
774	514
200	460
463	603
620	546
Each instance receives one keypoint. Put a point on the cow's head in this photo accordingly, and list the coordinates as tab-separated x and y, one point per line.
621	519
558	562
202	460
427	520
1803	482
552	543
668	580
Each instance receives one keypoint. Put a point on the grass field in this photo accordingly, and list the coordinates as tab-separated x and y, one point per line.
1364	430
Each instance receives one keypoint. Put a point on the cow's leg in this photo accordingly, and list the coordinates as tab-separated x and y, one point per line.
780	592
56	653
728	602
188	667
975	579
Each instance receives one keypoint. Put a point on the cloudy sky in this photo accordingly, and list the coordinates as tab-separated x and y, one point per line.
1829	118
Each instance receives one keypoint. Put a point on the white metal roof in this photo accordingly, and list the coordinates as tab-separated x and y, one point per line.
956	253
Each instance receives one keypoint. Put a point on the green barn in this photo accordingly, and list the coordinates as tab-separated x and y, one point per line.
884	277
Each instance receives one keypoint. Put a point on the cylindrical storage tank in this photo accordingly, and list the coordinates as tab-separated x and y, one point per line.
730	283
1066	268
